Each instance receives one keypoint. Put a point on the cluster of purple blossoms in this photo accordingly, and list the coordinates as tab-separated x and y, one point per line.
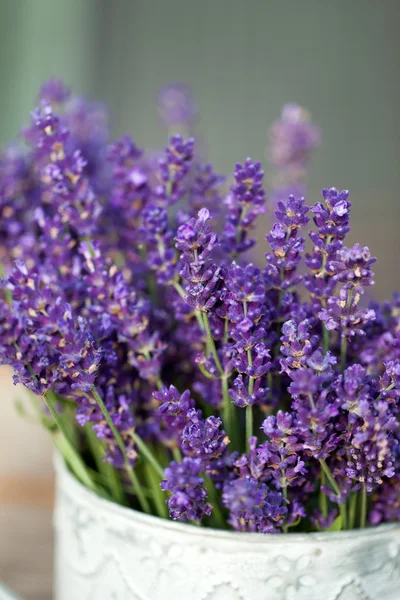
200	275
173	169
281	272
252	507
244	203
176	106
45	342
342	312
213	385
188	500
332	221
205	191
245	313
292	140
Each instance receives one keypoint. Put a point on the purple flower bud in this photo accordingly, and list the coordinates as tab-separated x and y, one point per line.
188	501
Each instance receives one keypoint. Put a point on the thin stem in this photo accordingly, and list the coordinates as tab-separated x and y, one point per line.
249	425
363	516
205	372
71	455
390	387
284	493
177	454
157	495
352	509
211	342
143	449
216	514
106	470
325	339
227	407
227	402
139	492
249	409
336	489
343	353
323	500
343	346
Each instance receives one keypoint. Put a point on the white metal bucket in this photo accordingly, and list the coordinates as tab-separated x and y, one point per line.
107	552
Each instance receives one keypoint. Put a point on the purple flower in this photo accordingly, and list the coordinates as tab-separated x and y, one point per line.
372	446
205	191
287	247
61	171
332	221
50	345
113	290
281	453
173	169
386	502
188	500
252	507
54	90
243	308
343	314
176	105
174	407
297	344
353	268
200	274
293	138
129	192
244	203
204	439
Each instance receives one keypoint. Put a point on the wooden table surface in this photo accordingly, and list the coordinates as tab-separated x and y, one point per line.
26	540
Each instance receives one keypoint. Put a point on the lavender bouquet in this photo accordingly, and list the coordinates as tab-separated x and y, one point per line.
177	377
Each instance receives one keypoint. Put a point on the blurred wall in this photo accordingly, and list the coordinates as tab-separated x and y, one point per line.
243	61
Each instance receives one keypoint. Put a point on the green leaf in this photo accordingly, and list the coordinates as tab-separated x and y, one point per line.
337	524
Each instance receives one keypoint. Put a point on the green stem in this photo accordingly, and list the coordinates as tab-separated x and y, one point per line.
249	425
284	493
205	372
143	449
343	346
343	353
109	474
69	452
323	500
211	342
216	513
227	402
336	489
157	495
120	443
227	408
177	454
352	509
390	387
363	516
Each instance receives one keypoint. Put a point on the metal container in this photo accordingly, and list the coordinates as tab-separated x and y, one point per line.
107	552
6	594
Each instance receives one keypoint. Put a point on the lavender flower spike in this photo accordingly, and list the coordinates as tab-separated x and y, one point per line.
245	202
188	501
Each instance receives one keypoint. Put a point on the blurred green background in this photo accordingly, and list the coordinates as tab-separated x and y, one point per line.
243	60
